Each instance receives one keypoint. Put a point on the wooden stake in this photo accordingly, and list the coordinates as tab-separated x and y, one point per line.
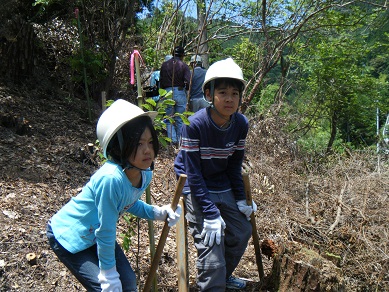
182	252
164	234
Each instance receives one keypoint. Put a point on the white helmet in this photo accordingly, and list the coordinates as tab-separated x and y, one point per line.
114	117
224	69
196	58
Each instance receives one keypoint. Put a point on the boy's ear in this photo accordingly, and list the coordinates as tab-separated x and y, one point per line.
207	94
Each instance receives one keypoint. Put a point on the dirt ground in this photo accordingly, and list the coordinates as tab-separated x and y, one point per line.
338	208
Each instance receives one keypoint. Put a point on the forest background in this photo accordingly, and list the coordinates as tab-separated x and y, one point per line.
317	99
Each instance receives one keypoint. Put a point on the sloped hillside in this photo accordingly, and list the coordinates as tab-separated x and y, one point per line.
337	209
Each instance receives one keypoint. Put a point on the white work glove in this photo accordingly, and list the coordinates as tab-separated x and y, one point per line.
161	213
246	209
212	231
109	280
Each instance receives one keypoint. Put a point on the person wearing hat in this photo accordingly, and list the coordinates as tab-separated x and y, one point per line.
175	77
211	155
196	95
83	232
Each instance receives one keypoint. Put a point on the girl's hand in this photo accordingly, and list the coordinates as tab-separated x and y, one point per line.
161	213
109	280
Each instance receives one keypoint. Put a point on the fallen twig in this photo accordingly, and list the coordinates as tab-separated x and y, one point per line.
339	210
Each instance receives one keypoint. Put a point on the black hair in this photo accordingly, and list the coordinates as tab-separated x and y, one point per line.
179	51
131	131
225	81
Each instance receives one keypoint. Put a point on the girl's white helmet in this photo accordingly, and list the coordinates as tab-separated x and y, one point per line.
224	69
114	117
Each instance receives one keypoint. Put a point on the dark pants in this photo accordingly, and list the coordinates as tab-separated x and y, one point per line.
84	265
216	263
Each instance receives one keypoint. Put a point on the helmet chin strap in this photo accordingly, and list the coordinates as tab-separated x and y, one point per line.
128	165
228	122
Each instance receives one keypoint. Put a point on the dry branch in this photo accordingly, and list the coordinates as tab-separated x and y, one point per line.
339	209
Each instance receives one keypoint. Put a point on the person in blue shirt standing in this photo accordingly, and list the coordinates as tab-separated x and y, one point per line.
211	155
154	80
197	100
83	232
175	77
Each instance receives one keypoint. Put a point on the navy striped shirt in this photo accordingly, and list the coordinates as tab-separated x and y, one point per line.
212	158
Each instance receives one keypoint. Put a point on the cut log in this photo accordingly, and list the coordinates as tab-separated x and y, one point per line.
304	270
31	258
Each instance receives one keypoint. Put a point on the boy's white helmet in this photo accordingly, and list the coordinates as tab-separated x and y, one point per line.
114	117
224	69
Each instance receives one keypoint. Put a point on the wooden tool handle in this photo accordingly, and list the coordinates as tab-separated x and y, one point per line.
164	234
249	200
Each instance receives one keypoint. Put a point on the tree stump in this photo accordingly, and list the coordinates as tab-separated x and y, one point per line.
303	269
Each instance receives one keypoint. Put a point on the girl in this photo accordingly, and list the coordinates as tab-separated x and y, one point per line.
83	232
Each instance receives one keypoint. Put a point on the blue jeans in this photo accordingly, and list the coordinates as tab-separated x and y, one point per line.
84	265
197	104
174	131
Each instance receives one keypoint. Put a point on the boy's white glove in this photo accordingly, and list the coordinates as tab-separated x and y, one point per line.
212	231
109	280
161	213
246	209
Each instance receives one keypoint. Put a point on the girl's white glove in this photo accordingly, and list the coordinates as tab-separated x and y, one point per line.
212	230
109	280
246	209
161	213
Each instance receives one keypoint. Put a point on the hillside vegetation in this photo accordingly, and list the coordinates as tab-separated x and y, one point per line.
317	86
336	208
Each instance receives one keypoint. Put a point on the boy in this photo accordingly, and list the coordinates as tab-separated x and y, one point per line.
211	155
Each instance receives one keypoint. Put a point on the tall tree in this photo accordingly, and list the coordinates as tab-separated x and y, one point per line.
336	83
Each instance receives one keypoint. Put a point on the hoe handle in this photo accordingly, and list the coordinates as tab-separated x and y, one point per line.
249	200
164	234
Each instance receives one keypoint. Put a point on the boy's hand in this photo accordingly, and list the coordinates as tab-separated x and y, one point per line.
212	230
161	213
246	209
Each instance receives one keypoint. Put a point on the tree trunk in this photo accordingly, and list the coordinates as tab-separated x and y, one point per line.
202	28
17	51
305	270
334	122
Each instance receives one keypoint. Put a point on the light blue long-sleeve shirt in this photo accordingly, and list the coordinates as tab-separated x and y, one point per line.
91	216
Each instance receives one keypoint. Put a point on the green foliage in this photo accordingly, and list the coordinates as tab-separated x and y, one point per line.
93	62
245	54
337	85
131	221
99	152
160	106
339	60
315	142
165	28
